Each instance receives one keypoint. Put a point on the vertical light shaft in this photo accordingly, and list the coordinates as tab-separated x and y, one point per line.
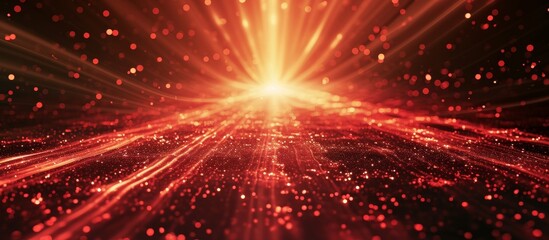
271	48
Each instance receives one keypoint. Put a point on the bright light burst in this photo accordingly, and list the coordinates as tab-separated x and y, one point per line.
273	119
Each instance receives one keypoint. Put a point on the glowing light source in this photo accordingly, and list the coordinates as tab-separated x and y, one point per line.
274	89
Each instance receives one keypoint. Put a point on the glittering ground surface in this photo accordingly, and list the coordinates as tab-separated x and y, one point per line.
343	170
274	119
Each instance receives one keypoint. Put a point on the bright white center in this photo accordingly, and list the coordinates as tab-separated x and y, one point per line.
273	89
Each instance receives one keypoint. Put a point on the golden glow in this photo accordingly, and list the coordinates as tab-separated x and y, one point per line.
239	45
283	92
273	89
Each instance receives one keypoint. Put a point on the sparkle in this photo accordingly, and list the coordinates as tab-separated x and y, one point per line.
273	119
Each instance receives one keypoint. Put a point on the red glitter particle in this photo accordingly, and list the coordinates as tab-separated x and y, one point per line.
186	7
150	232
537	233
501	63
38	227
468	235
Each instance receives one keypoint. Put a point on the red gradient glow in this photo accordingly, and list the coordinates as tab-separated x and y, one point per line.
242	120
